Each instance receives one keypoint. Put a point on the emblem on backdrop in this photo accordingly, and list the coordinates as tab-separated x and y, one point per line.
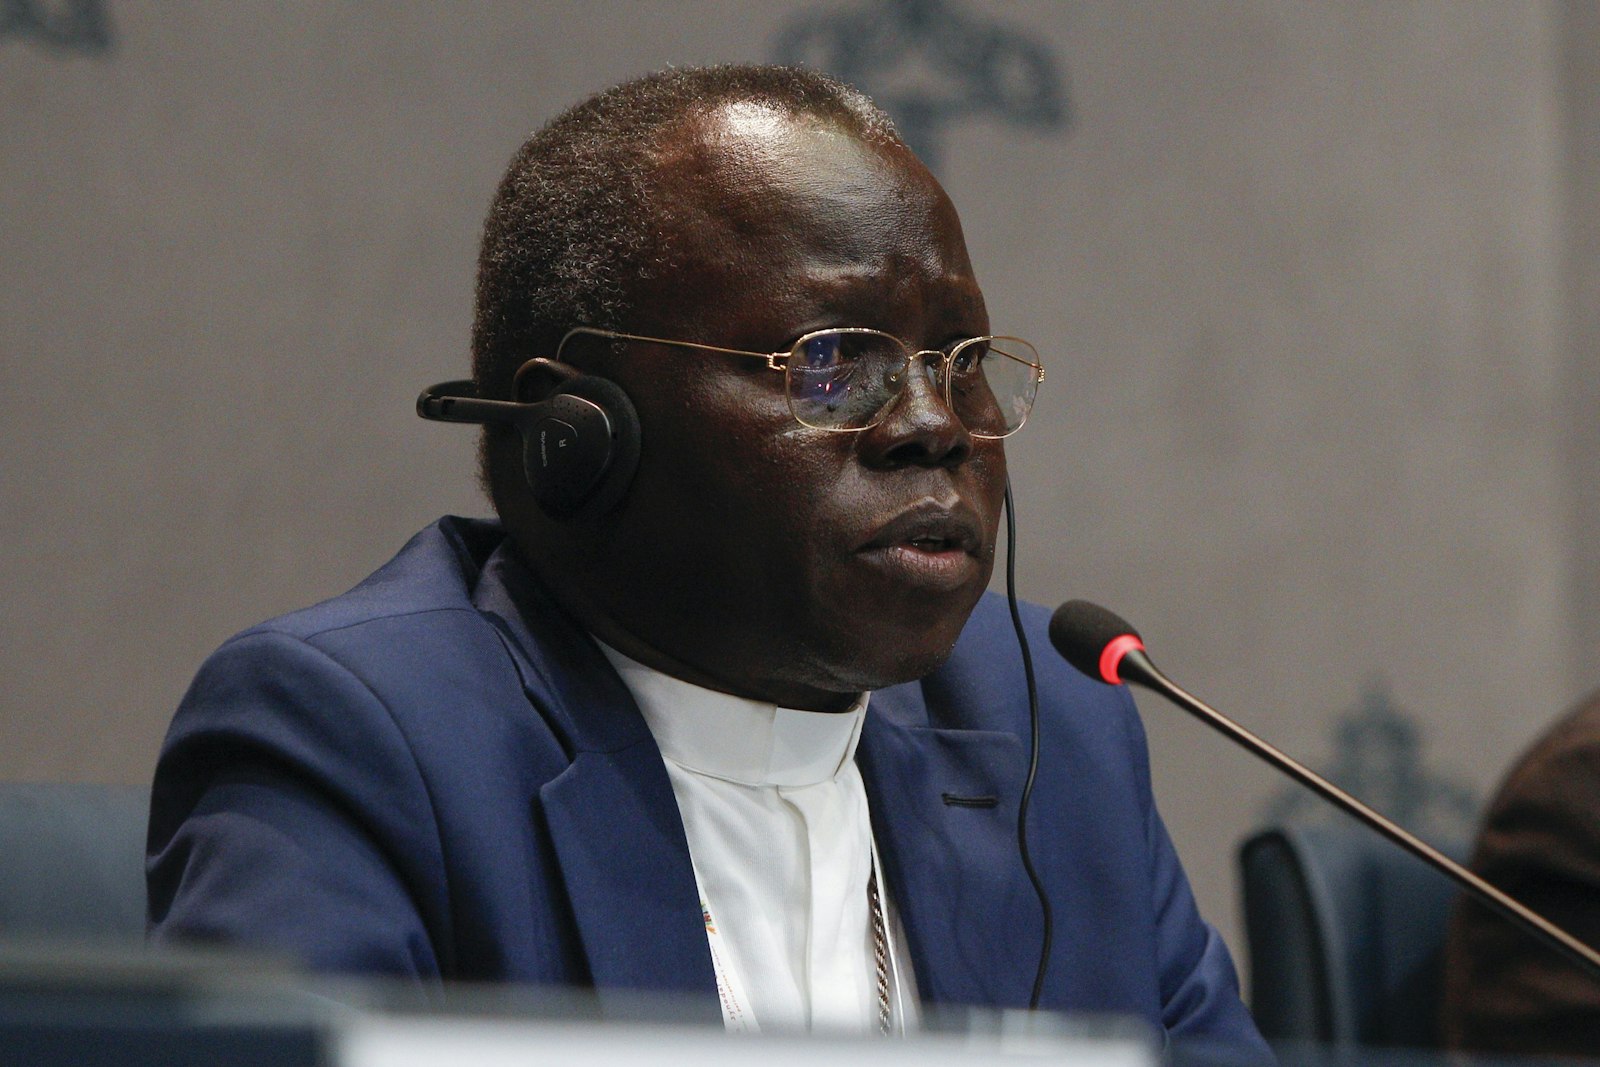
1377	756
59	25
931	64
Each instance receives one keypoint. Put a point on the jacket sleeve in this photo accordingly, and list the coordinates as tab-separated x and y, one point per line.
1201	1010
289	815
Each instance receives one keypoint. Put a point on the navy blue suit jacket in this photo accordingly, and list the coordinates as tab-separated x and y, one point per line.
437	774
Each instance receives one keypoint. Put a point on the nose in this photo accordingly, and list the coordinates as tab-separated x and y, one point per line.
919	429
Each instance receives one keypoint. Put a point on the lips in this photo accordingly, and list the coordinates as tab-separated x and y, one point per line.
929	545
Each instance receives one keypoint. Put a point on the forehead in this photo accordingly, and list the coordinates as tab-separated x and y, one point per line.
759	200
764	170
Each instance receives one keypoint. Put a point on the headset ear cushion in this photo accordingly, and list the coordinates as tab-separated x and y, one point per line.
581	453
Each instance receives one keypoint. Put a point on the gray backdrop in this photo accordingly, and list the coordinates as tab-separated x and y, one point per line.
1314	285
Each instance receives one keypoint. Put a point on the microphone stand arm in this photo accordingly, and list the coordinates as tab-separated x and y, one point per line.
1136	667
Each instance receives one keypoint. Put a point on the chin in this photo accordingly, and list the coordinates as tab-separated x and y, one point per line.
905	657
886	640
913	668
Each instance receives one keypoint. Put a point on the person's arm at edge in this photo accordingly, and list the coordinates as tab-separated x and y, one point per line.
285	804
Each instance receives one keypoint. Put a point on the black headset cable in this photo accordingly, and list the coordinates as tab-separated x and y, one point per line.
1033	750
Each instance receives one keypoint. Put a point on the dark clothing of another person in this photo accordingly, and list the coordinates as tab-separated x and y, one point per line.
1504	991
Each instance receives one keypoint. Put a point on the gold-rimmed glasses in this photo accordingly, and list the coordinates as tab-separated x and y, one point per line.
846	379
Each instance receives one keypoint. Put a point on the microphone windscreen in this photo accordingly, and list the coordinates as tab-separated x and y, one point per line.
1081	631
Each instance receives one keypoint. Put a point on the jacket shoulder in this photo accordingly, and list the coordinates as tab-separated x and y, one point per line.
436	570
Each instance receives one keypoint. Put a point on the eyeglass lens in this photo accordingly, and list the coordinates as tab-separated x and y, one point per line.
842	380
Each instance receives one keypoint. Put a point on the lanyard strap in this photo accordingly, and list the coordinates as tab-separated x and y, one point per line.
737	1016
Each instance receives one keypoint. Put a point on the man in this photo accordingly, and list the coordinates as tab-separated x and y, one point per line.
622	738
1504	991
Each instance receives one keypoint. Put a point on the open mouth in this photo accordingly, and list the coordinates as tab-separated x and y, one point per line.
929	546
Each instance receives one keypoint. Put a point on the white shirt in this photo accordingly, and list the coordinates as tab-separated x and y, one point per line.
776	818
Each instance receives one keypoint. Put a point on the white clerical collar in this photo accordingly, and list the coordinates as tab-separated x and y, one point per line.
747	742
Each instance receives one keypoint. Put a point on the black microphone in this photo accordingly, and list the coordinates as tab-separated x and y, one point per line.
1107	649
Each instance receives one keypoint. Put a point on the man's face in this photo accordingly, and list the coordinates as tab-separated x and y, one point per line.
752	554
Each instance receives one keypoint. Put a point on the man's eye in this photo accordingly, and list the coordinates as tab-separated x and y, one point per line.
968	359
820	353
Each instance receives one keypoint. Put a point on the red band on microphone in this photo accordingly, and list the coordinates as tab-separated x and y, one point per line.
1111	656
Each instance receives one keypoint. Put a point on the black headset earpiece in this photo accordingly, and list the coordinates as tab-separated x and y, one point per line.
580	443
580	453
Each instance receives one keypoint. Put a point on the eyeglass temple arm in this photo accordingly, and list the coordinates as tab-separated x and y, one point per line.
775	360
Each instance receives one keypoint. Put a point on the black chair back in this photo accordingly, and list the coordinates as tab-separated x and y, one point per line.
1346	937
72	861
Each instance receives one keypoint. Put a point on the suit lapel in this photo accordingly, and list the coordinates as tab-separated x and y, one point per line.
613	820
944	811
622	855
